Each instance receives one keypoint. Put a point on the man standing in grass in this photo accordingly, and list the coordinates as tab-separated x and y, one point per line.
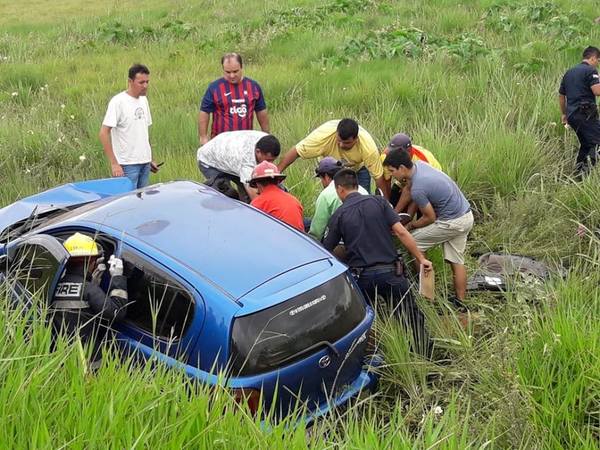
232	100
327	201
446	214
232	156
366	223
124	131
343	140
577	99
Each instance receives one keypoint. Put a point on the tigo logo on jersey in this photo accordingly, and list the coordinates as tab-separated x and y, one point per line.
239	110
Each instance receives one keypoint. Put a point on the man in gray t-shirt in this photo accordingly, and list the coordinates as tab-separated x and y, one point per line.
446	216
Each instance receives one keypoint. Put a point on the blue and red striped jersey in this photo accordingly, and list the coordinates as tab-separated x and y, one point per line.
232	105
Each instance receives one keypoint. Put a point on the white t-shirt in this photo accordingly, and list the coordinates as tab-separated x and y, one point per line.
232	152
129	118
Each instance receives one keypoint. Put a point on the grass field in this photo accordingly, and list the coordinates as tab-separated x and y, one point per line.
474	82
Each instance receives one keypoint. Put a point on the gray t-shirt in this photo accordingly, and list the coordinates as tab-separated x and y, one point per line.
429	185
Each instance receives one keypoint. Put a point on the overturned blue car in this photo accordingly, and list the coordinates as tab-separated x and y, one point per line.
215	286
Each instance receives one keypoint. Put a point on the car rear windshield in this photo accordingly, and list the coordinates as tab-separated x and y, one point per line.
296	328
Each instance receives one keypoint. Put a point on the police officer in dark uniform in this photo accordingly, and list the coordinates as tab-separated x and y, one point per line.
365	224
578	90
79	306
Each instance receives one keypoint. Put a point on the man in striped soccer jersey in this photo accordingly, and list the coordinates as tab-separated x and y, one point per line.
232	100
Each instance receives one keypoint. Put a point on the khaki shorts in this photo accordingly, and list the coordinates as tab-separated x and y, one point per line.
451	233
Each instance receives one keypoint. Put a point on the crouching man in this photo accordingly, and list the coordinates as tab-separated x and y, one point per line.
364	223
446	214
79	306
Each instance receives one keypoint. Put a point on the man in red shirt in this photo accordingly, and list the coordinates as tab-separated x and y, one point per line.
272	199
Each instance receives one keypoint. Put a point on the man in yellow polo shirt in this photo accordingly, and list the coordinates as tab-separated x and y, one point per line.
343	140
399	192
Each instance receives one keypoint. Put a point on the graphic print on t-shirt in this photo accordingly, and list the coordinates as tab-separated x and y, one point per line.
139	114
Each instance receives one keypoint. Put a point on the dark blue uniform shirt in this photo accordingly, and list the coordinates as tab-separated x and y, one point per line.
577	84
364	223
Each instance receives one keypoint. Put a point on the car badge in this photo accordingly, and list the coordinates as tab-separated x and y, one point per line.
324	361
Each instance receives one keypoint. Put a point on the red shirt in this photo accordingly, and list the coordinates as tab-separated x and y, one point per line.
278	203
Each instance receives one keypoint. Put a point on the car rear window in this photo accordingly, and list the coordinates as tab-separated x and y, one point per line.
296	328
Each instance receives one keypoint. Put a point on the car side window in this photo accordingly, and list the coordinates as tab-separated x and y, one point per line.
34	268
159	304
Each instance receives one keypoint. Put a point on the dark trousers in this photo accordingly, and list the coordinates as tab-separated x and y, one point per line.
586	125
396	291
221	181
364	179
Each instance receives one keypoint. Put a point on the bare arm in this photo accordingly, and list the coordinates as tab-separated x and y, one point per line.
288	158
562	101
596	89
263	119
384	186
252	193
104	135
411	245
427	218
405	199
203	119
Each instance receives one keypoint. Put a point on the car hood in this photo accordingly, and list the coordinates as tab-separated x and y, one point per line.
61	197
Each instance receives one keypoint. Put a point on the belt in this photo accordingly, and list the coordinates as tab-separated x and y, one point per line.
358	271
379	267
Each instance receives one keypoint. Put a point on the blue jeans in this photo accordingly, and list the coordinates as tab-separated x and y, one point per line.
139	174
364	179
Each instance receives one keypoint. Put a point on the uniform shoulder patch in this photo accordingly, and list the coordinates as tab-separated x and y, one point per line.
68	289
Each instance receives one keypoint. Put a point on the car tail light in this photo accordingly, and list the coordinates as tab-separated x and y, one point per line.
250	397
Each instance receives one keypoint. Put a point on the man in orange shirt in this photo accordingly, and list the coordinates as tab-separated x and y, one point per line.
272	199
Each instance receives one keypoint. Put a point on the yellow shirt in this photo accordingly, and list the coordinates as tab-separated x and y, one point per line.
323	142
417	153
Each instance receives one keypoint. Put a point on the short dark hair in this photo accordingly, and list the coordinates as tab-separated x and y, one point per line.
233	55
397	158
346	178
347	129
590	52
269	144
137	68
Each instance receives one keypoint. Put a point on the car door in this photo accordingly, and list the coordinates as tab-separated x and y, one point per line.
31	268
164	313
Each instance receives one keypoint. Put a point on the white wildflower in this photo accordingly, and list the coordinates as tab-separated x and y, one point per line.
14	94
62	106
30	132
438	410
72	116
81	158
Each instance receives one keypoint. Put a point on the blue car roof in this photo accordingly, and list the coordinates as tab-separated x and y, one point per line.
232	244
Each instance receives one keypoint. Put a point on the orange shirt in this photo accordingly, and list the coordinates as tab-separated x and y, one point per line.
281	205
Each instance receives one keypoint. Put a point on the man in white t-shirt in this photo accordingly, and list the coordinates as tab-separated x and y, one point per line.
124	131
232	156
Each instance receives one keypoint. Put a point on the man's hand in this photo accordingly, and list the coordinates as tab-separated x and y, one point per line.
563	119
203	140
116	170
426	264
154	167
115	266
98	271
